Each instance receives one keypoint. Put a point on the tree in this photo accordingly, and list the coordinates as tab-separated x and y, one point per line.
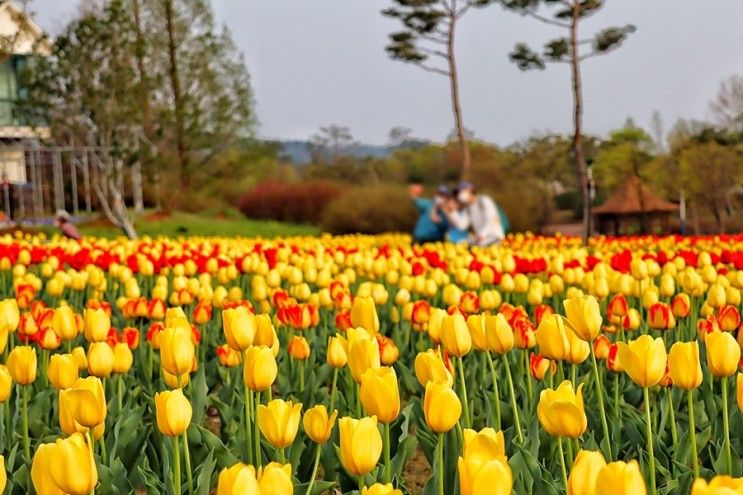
428	41
727	109
398	136
656	127
567	14
84	90
331	143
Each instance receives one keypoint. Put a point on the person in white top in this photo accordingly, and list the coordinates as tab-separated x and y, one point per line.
479	214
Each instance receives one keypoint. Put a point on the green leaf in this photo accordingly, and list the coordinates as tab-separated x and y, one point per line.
204	477
319	487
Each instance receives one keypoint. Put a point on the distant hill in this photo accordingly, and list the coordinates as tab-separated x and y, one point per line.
300	152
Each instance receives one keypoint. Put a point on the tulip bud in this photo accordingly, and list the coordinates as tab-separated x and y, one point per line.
660	316
540	365
260	368
239	478
239	327
441	407
337	352
177	350
455	335
62	371
601	346
644	360
317	425
379	394
279	421
72	466
681	305
80	358
298	348
380	489
561	411
586	468
63	323
22	365
100	359
623	478
685	368
123	358
6	384
584	315
362	355
723	354
364	314
361	444
96	325
173	412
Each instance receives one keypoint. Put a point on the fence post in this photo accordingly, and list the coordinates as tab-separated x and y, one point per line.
58	180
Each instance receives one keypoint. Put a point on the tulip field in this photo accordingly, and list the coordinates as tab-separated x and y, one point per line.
370	365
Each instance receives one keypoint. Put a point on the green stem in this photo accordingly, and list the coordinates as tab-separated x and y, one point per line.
616	396
89	439
465	403
282	456
26	440
512	391
256	433
570	454
440	463
529	391
176	467
387	463
574	373
693	433
726	426
672	414
361	484
120	393
562	465
496	393
332	390
248	442
602	411
318	451
301	375
187	457
104	454
649	432
358	400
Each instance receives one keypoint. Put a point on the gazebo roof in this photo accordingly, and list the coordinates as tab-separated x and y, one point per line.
634	197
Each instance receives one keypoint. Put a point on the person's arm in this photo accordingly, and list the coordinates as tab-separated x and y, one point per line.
492	217
459	219
422	204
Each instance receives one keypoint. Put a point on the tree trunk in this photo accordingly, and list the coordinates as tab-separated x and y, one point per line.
580	160
177	97
464	149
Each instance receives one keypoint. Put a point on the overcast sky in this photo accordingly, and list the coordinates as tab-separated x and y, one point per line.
320	62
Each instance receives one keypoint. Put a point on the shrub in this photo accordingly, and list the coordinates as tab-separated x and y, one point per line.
289	201
370	210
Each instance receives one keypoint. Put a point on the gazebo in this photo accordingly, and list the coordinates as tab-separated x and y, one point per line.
634	208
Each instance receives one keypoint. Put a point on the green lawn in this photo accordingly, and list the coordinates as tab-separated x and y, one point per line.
190	224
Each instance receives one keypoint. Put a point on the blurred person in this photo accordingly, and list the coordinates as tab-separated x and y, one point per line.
431	225
479	214
62	219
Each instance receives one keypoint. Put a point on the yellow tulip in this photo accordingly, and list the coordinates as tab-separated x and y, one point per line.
62	371
259	370
177	350
9	315
586	468
435	321
279	421
73	469
81	359
100	359
498	333
552	337
265	333
3	474
476	326
84	402
363	354
123	358
96	324
739	390
41	470
684	365
361	444
380	489
317	425
337	352
584	315
22	364
430	367
441	407
364	314
455	335
239	327
239	478
486	444
579	349
379	394
173	412
723	354
620	478
64	324
644	360
275	479
719	485
561	411
484	475
6	383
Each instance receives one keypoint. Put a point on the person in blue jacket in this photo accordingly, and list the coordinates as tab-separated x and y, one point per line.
431	225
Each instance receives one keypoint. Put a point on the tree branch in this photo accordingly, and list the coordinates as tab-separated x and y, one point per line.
435	70
546	20
594	53
429	51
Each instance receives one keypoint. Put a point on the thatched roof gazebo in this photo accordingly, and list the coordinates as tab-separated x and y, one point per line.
634	208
